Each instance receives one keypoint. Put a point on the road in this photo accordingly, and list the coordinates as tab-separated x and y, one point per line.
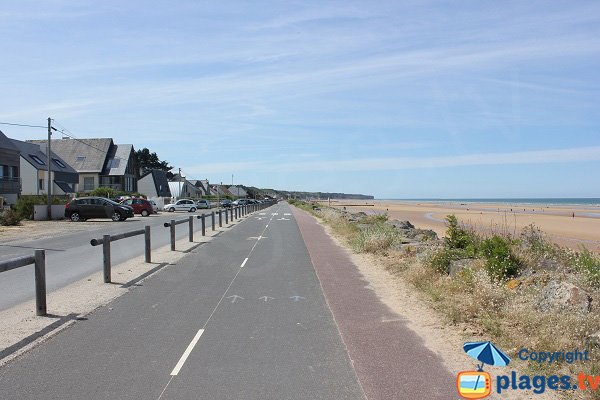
70	257
242	317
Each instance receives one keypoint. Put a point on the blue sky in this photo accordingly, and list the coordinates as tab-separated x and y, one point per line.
398	99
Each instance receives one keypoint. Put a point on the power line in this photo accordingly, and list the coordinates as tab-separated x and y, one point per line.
23	125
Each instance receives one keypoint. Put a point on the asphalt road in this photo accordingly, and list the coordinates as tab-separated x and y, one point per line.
241	317
70	257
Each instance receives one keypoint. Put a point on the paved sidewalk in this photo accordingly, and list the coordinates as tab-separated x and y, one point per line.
390	359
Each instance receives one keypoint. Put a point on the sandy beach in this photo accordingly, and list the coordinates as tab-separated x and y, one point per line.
556	221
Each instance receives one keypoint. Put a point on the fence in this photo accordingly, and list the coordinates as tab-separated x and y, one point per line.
39	261
107	239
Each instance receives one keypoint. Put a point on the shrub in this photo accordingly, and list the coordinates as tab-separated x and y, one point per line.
24	205
586	262
10	218
375	238
458	237
104	192
500	262
374	219
440	261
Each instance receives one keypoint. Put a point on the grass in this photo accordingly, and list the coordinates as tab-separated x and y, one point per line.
496	297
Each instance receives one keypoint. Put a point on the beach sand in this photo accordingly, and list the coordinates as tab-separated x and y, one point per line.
556	221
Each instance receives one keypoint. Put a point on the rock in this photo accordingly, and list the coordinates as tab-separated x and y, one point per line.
513	284
401	224
458	265
548	264
564	296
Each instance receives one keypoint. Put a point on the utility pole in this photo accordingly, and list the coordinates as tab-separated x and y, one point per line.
180	183
49	169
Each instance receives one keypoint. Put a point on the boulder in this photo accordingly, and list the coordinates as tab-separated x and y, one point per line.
401	224
564	296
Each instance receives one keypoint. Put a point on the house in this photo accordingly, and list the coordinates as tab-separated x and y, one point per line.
238	191
183	189
154	183
34	171
203	185
10	178
99	162
219	190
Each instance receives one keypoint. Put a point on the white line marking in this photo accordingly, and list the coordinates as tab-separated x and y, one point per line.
244	263
267	226
187	352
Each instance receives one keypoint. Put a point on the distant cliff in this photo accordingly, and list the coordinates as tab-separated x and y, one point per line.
317	195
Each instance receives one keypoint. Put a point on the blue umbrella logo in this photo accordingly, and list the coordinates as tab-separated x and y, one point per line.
486	353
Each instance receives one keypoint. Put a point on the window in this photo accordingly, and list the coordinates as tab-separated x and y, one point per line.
88	183
113	163
37	159
41	184
59	163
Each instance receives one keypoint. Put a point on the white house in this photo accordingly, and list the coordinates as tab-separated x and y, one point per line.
34	171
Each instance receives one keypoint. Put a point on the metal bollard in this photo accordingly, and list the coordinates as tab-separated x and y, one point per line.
191	229
212	217
236	212
106	256
40	282
226	217
203	225
147	244
172	226
220	218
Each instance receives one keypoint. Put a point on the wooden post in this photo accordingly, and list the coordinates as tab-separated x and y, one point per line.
40	282
106	256
147	244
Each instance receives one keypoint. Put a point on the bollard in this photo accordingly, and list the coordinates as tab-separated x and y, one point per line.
212	217
147	244
191	229
106	255
226	217
236	213
172	235
203	225
220	218
40	282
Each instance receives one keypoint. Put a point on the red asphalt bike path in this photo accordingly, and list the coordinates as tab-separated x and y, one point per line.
390	360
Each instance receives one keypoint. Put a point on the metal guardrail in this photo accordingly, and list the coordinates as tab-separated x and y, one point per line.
107	239
39	262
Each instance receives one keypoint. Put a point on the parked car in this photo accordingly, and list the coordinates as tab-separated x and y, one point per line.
155	207
83	208
241	202
202	203
181	205
226	203
140	206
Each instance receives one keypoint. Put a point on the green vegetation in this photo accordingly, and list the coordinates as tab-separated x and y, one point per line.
24	205
10	218
112	193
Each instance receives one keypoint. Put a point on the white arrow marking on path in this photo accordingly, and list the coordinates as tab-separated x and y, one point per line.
283	219
297	298
287	214
275	214
262	214
266	298
234	298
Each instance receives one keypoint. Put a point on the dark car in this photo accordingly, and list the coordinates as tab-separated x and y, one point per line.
140	206
84	208
226	203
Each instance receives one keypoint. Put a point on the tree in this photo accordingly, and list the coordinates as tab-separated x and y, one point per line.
147	160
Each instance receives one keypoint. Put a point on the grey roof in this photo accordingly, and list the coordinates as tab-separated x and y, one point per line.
161	183
84	155
6	143
117	159
30	150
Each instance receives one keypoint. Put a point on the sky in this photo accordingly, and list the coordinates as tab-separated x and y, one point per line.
396	99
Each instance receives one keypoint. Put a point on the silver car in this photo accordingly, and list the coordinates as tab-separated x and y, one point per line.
181	205
202	203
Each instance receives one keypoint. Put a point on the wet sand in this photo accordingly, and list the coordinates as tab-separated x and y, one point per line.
556	221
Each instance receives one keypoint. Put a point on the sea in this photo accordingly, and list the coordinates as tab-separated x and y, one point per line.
549	201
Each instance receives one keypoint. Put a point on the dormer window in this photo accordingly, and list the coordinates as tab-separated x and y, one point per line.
37	159
59	163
